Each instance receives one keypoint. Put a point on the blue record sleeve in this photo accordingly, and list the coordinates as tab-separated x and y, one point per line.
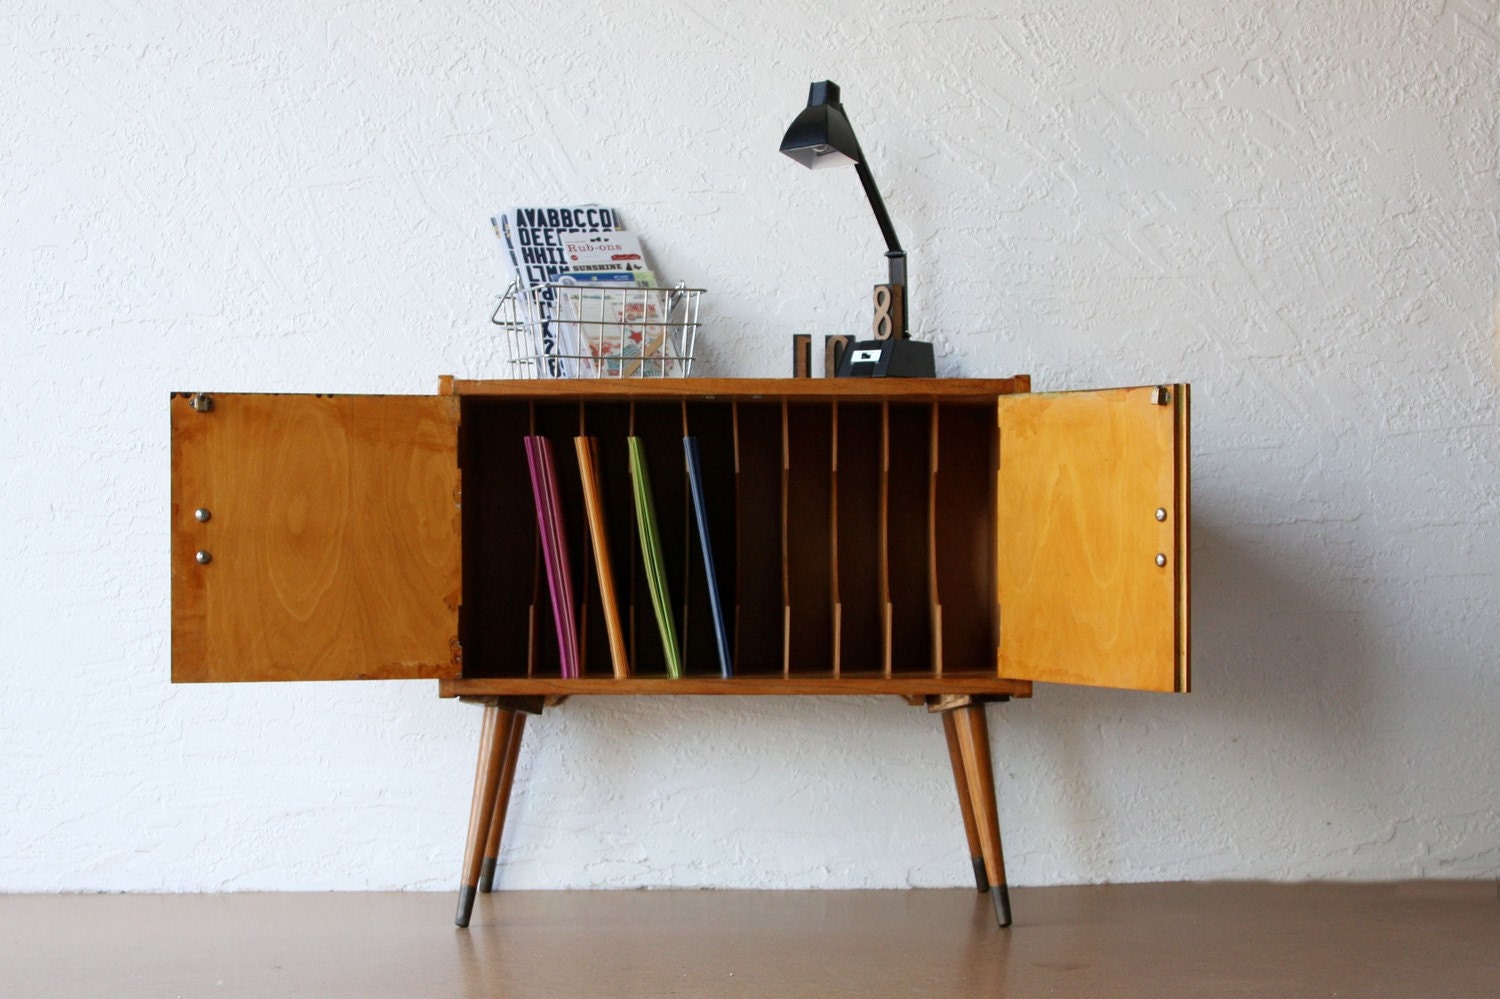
700	513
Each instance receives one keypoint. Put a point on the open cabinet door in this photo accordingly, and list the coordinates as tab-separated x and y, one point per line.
314	537
1092	538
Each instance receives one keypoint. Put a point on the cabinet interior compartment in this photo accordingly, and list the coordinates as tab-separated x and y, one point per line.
609	424
560	424
858	559
712	423
907	529
807	536
963	553
851	538
499	626
758	626
659	427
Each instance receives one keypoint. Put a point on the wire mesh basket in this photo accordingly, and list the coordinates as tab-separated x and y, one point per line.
594	330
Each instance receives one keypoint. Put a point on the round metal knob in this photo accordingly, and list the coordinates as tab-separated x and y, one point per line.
204	558
1161	559
202	515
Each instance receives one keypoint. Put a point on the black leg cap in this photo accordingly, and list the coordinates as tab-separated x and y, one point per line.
487	875
465	905
1002	904
981	880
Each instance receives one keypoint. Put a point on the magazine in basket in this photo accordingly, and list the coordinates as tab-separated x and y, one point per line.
585	302
615	324
534	241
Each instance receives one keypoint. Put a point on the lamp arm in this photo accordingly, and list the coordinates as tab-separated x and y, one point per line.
895	256
882	217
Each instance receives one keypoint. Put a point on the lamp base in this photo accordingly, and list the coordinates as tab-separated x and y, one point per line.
888	359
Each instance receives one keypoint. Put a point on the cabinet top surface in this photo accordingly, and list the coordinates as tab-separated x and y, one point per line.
960	390
806	389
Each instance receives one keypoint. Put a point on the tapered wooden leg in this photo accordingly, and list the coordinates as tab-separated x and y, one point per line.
974	745
493	739
502	802
965	802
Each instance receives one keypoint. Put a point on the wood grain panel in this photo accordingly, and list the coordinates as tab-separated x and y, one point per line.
1082	598
334	535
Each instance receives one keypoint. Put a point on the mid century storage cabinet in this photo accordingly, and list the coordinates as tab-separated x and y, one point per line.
947	541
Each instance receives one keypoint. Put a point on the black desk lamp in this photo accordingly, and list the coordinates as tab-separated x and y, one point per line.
821	136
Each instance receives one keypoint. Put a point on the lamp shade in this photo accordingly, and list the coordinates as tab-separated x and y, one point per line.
820	136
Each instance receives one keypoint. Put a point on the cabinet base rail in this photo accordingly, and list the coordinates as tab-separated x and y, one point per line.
964	727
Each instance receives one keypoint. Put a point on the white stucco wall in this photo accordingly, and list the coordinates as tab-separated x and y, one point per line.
1295	206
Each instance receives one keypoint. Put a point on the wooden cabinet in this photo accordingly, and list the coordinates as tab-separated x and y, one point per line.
943	540
898	536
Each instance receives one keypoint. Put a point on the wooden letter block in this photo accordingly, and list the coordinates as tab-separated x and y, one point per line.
802	355
890	306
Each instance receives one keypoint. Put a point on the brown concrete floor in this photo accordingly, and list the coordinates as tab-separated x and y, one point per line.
1410	940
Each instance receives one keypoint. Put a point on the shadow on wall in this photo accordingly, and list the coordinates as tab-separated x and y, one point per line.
1276	734
1279	639
1284	708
